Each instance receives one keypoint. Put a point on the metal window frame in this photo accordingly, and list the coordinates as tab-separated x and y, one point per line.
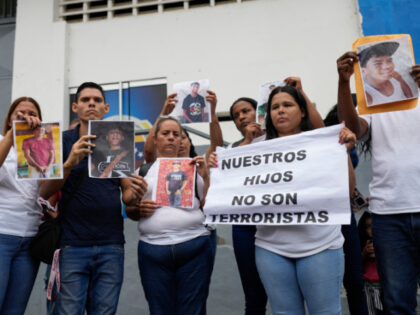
10	16
111	7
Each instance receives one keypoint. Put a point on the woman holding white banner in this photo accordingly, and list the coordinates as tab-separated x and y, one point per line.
300	263
174	252
20	215
243	113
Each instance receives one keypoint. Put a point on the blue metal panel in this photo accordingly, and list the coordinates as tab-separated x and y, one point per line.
392	17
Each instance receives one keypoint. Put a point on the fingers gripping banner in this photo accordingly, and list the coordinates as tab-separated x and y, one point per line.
299	179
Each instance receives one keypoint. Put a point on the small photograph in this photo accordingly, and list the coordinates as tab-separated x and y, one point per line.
384	68
38	150
176	182
263	94
113	156
192	106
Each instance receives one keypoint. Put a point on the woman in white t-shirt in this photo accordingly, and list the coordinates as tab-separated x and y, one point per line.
175	253
20	215
300	263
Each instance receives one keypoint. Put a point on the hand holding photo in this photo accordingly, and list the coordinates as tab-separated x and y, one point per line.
38	150
113	156
176	183
384	67
192	106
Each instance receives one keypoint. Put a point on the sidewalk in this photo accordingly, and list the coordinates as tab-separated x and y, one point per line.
226	297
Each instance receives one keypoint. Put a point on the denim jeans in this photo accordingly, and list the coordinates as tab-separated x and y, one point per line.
353	269
314	279
175	199
91	273
17	274
176	278
396	239
243	237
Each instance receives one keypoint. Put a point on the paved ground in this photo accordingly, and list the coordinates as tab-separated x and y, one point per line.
225	298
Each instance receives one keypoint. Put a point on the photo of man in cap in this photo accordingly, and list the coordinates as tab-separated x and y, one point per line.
113	156
193	105
175	184
381	83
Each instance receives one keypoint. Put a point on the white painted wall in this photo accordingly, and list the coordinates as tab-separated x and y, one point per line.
238	46
40	67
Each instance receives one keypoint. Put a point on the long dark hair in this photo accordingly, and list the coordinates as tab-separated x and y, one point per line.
192	148
305	123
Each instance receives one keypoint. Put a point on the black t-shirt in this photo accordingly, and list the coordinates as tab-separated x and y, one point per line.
93	215
194	107
176	179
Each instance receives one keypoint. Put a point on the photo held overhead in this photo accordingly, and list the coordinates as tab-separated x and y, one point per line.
192	106
382	74
263	94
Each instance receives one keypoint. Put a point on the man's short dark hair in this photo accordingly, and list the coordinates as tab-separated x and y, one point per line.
195	83
89	85
378	50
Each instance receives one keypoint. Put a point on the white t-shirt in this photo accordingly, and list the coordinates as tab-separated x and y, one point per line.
20	213
169	225
379	98
395	145
296	241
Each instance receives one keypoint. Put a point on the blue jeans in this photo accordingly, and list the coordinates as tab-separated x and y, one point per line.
17	274
243	237
176	278
314	279
396	239
353	269
175	199
94	274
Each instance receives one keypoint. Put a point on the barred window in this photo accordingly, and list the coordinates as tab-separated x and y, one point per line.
87	10
7	11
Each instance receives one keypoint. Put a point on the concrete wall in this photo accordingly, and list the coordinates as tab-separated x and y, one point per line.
238	46
7	39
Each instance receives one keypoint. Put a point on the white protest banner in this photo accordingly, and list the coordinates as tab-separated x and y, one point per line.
299	179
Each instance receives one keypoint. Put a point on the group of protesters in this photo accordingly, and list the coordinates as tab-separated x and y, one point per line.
293	266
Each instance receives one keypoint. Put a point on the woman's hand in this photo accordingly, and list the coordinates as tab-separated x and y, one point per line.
212	162
147	208
345	65
347	137
169	105
144	208
252	130
415	73
32	121
201	166
212	98
295	82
